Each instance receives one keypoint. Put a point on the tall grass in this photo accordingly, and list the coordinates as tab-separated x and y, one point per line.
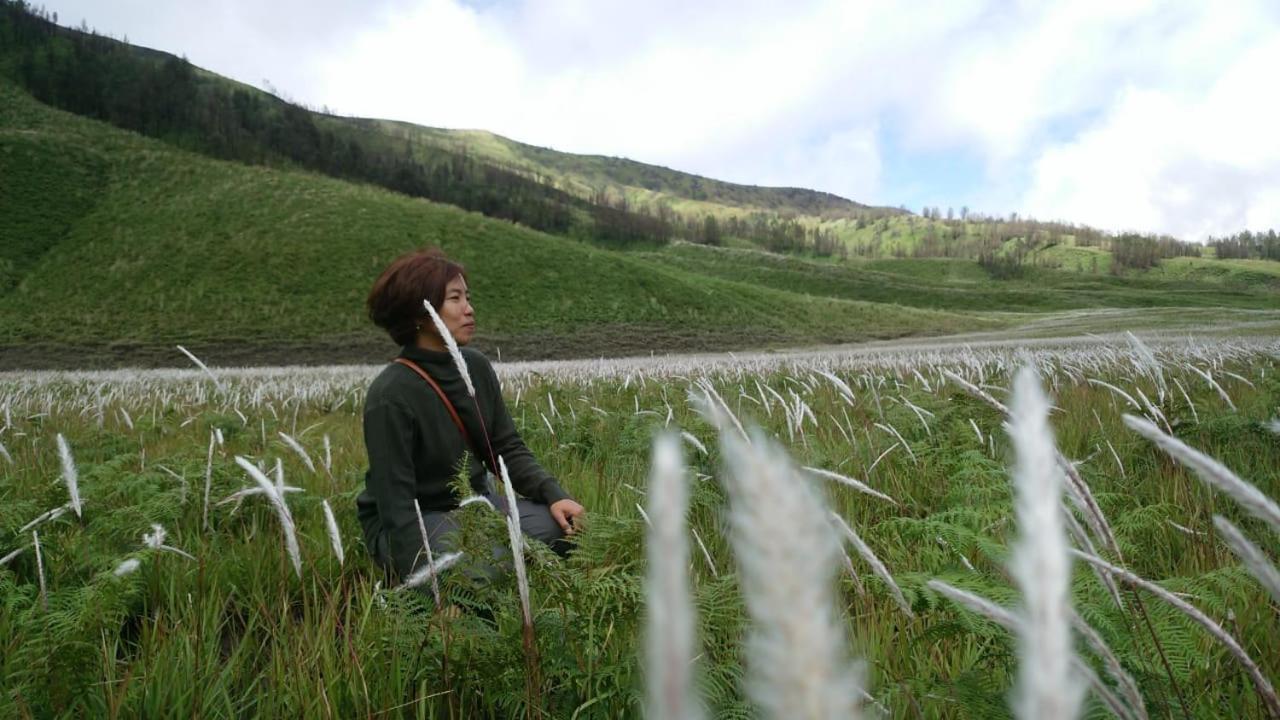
208	638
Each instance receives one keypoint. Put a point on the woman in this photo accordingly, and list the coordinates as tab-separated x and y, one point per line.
419	436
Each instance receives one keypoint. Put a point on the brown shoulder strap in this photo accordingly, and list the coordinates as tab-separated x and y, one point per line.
444	398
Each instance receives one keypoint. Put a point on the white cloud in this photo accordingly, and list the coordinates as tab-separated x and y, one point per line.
1191	164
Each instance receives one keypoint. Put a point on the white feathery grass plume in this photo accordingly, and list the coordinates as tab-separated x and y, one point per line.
840	385
517	543
1047	687
331	523
1241	378
476	499
452	346
46	516
1128	398
669	620
1274	426
977	604
44	593
1211	471
127	567
882	455
1263	686
855	484
69	474
901	441
217	383
328	455
1213	384
282	511
1253	558
715	409
208	481
694	441
5	454
426	549
9	558
976	391
797	665
239	495
644	516
297	447
155	540
870	558
429	571
1151	364
976	431
1190	405
279	473
1116	456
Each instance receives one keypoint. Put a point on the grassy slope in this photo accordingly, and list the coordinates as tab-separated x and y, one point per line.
963	285
157	246
639	182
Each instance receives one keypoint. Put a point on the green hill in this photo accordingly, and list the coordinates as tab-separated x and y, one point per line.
117	247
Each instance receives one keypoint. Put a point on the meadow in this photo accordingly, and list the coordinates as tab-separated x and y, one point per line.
210	619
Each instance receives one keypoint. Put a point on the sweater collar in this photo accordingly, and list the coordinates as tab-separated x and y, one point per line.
435	358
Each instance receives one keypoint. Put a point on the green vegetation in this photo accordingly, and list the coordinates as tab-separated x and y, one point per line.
158	246
234	633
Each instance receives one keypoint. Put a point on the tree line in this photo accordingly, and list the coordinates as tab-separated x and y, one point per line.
1247	245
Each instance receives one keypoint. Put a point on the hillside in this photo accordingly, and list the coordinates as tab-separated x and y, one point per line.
124	246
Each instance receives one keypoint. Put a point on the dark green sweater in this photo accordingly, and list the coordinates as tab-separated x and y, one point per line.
415	449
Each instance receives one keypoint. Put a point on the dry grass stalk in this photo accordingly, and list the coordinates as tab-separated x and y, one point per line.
1124	681
1011	622
1263	686
1253	558
9	558
669	618
1211	471
426	550
869	557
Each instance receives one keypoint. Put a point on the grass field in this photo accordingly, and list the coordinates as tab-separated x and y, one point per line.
235	633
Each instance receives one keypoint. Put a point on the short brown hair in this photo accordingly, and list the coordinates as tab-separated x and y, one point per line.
395	302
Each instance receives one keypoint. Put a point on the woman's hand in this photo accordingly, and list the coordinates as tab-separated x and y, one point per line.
566	512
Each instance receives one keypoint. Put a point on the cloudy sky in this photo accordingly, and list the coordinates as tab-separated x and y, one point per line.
1151	115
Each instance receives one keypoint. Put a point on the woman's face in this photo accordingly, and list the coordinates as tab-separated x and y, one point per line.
456	311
